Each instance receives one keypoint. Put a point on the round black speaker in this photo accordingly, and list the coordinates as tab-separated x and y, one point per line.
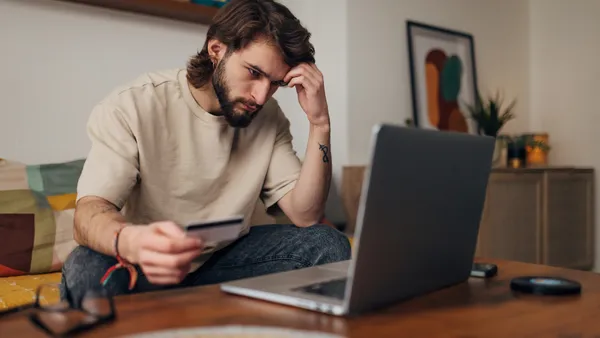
543	285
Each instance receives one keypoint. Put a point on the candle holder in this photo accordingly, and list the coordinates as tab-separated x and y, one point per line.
516	152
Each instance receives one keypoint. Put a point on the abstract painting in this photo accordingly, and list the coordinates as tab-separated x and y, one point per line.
443	77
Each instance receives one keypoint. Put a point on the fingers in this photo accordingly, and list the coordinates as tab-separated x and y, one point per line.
162	275
310	73
169	261
169	229
314	66
168	245
291	74
166	253
315	71
302	69
163	280
168	237
304	82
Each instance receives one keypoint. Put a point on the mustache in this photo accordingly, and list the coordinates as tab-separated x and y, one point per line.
249	103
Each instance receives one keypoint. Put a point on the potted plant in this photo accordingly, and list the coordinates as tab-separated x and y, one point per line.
537	148
491	115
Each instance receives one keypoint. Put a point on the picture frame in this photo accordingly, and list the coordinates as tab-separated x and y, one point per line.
443	75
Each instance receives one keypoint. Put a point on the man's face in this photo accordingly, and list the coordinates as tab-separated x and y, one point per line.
246	79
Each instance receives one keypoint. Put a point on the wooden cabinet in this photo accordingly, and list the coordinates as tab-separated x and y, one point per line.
568	227
536	215
543	216
512	217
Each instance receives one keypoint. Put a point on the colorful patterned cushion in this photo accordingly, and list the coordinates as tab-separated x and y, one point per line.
37	204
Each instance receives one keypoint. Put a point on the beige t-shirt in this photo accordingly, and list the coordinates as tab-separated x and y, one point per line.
157	154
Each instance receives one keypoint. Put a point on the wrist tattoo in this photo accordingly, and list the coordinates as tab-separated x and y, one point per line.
325	151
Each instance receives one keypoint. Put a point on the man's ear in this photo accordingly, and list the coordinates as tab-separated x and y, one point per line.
216	49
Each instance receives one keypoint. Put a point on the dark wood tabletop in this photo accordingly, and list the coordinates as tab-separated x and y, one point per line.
476	308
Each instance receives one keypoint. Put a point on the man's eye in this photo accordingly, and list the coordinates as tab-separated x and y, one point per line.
253	73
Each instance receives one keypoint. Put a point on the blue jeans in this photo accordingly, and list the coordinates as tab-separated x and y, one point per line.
265	249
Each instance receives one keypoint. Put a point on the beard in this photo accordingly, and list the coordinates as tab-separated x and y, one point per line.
238	118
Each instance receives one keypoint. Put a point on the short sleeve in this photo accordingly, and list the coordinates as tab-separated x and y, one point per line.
111	168
284	167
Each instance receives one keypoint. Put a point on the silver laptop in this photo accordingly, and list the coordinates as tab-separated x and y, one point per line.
417	226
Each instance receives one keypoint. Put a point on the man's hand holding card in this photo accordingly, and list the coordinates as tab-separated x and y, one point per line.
165	251
214	232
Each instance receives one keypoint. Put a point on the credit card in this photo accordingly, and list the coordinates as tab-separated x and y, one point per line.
216	231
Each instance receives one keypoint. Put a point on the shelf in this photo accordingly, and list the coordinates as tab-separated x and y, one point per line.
172	9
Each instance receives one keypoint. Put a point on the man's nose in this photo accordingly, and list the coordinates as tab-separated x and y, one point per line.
261	93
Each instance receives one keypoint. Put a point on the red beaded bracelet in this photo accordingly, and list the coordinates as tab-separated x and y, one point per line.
121	263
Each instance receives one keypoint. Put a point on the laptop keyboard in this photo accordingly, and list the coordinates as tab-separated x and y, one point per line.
334	288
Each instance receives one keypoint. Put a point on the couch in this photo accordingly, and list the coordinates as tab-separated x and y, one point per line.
37	205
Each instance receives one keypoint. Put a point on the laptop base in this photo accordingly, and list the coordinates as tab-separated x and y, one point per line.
305	288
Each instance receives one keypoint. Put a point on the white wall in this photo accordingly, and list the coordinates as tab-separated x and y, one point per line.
564	77
378	73
58	59
565	45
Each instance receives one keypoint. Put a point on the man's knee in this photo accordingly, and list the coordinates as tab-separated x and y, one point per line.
328	244
83	270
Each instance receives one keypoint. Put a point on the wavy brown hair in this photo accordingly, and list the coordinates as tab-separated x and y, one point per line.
241	22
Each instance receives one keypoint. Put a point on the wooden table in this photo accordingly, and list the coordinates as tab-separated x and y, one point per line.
477	308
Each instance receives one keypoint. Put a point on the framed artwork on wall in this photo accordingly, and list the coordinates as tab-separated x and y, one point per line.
443	76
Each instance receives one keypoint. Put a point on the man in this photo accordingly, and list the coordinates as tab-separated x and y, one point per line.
202	143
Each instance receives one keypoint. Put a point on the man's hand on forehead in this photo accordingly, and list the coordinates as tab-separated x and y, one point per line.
309	84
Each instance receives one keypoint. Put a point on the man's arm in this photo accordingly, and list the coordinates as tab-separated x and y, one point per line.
111	170
96	221
305	204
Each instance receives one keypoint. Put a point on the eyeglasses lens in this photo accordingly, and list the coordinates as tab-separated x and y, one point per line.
96	304
58	318
48	298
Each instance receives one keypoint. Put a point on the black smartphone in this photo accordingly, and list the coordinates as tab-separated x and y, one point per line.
484	270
